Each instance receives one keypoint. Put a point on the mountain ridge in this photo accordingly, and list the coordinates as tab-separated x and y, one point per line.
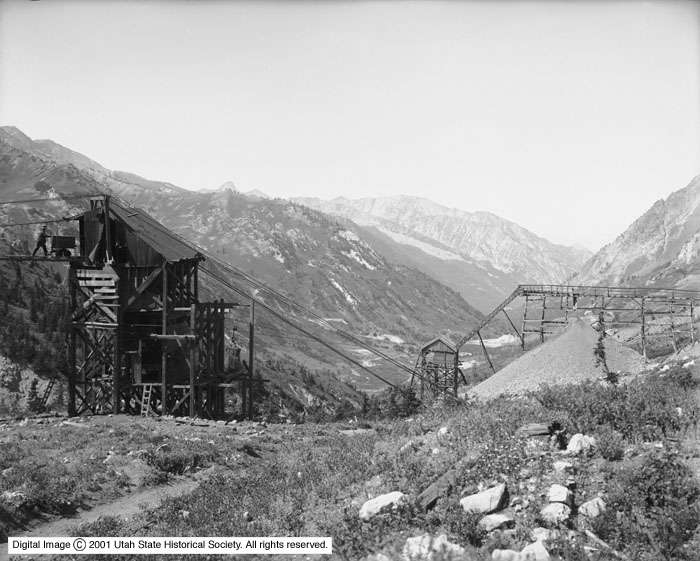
660	248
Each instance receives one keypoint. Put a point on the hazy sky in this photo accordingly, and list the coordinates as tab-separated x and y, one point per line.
570	118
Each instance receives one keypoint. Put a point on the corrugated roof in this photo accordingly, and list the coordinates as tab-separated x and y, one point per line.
152	232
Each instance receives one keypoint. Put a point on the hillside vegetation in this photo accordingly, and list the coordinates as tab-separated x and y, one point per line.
628	491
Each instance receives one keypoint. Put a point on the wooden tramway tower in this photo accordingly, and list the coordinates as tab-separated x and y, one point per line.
139	334
438	365
666	313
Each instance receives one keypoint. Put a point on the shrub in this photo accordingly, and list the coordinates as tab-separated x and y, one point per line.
646	409
177	463
610	444
653	509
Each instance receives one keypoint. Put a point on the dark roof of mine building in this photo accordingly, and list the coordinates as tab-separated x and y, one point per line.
171	246
436	343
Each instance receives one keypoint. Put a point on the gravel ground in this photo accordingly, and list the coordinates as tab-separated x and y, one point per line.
566	358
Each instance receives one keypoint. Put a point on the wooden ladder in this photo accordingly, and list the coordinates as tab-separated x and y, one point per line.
47	392
146	399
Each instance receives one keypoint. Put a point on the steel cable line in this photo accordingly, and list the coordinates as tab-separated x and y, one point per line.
282	318
280	296
64	219
42	199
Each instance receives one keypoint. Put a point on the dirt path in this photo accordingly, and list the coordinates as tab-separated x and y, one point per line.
124	507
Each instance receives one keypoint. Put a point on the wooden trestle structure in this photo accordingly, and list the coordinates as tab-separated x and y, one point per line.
140	340
547	307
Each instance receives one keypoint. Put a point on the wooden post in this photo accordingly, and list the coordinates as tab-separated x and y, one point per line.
108	231
251	358
524	321
116	366
643	331
164	343
692	323
193	357
673	325
544	312
521	337
486	354
71	345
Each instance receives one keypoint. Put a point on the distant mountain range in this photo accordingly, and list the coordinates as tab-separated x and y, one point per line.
661	248
478	254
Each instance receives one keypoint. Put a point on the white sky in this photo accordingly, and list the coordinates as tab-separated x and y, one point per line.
570	118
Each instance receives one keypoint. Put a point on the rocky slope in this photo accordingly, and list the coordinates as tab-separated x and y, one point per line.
661	248
328	266
479	254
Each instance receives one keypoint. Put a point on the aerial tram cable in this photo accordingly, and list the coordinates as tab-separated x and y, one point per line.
282	297
58	199
289	322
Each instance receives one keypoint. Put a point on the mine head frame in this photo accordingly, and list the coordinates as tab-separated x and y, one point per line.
141	340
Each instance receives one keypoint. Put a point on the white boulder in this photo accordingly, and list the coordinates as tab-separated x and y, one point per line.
487	501
374	506
535	552
428	548
492	522
555	513
591	509
580	443
559	494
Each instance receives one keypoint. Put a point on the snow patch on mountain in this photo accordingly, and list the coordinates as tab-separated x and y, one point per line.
423	246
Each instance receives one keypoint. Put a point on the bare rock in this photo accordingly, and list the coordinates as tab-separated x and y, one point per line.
591	509
490	500
505	555
428	548
560	494
374	506
492	522
535	552
562	466
555	513
580	443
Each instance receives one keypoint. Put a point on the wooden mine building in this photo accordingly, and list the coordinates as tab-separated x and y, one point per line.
141	340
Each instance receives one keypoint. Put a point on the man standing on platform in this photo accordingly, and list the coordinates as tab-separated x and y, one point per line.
41	241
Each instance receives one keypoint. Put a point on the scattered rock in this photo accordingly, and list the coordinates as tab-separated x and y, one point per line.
428	548
560	494
535	552
562	466
7	472
408	447
185	514
580	443
442	431
591	509
374	506
492	522
377	557
539	534
505	555
490	500
13	498
555	513
439	488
